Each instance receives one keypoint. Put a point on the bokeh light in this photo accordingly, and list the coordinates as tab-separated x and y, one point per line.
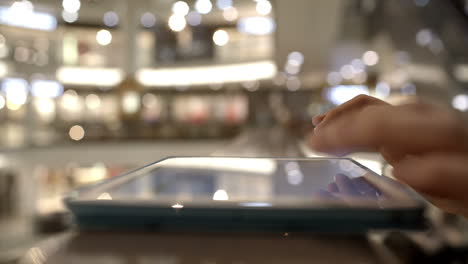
203	6
103	37
194	18
111	19
177	22
69	17
334	78
370	58
93	101
180	8
76	132
263	7
460	102
296	58
223	4
230	14
71	6
220	37
148	20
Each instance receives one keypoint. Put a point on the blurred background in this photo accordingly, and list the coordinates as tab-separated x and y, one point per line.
92	88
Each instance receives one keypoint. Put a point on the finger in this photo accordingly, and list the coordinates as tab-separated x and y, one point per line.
365	188
356	103
405	129
317	119
439	175
323	194
345	185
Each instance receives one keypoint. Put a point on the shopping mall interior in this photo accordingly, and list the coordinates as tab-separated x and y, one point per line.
91	89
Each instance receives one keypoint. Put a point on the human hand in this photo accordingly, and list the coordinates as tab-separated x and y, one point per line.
427	144
349	189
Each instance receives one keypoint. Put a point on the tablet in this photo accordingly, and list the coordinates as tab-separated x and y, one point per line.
248	194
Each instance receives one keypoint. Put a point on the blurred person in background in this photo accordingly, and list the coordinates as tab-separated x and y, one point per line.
427	144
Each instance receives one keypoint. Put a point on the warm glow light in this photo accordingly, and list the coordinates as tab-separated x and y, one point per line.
460	102
150	100
45	107
180	8
93	101
69	100
177	206
256	25
131	102
104	196
207	74
263	7
461	72
370	58
220	37
71	103
177	23
3	69
230	14
220	195
103	37
90	76
260	166
76	133
203	6
360	77
91	174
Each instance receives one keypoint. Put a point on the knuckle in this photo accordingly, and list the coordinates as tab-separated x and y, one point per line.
362	98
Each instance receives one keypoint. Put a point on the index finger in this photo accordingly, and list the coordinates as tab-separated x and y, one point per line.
408	128
356	103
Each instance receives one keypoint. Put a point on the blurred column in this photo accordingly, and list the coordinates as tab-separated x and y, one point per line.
130	30
129	90
314	23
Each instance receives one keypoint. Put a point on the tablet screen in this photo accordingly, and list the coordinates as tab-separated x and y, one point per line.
254	182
